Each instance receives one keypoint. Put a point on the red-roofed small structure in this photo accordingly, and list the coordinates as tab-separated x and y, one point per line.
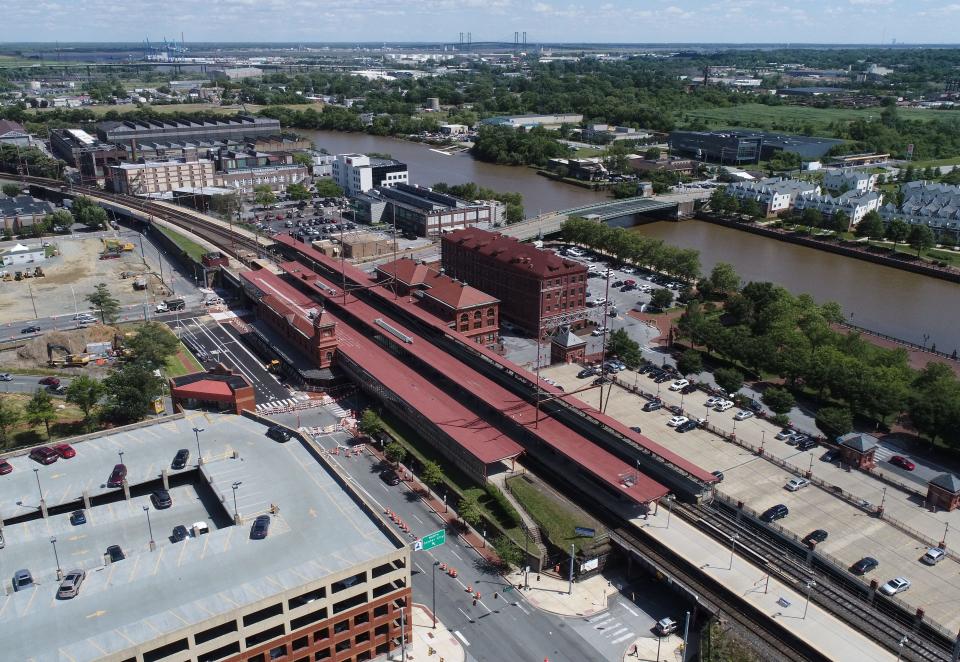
218	389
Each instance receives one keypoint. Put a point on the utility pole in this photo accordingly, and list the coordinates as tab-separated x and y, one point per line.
435	564
570	579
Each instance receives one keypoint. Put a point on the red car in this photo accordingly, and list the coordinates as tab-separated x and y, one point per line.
5	467
902	462
65	451
50	381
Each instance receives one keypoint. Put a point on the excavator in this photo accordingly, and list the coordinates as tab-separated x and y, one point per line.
66	358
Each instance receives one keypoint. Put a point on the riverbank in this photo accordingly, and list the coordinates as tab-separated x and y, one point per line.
855	250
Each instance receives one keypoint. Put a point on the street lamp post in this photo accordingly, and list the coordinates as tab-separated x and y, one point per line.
900	643
810	585
733	544
53	541
36	472
120	453
435	564
153	545
669	508
196	432
236	513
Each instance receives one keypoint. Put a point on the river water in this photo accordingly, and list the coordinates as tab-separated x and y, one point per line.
890	301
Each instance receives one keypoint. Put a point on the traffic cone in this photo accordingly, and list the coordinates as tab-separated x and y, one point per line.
477	595
469	588
443	567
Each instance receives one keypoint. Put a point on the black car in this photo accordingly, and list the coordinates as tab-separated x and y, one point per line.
664	377
30	329
718	475
817	536
636	428
586	372
864	565
180	533
260	528
390	477
688	389
77	517
653	405
687	426
599	381
628	288
831	455
279	433
807	444
161	499
115	553
617	283
180	459
776	512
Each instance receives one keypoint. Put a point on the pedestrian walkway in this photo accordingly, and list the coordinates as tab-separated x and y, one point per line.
551	593
429	644
655	649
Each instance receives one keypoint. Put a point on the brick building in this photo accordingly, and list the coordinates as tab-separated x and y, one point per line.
539	291
311	331
218	389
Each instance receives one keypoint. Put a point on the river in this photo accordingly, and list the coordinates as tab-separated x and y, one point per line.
890	301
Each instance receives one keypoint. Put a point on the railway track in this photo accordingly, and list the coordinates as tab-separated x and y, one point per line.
846	599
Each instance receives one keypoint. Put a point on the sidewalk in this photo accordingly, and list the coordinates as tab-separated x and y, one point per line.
653	649
428	644
548	592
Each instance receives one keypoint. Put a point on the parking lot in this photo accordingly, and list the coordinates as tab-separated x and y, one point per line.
853	533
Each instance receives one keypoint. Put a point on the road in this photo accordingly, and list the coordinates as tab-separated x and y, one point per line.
27	383
496	629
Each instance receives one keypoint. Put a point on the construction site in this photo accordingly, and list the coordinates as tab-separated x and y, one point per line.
87	350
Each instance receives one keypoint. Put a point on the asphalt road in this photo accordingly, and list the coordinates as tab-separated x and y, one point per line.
26	383
496	629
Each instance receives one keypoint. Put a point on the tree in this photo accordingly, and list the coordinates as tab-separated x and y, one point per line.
10	415
370	423
431	473
130	392
395	452
728	379
690	363
153	345
304	159
834	421
327	188
780	400
661	298
625	348
11	190
652	153
871	225
811	217
469	508
263	195
897	231
751	208
920	238
61	218
40	410
508	551
104	302
298	192
839	221
724	278
89	213
85	392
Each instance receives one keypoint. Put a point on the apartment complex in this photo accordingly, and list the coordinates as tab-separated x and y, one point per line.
327	582
539	291
155	177
358	173
849	179
854	204
775	195
936	206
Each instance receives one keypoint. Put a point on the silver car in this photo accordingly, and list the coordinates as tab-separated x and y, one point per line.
70	586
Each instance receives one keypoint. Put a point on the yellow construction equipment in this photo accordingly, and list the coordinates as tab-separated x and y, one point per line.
272	365
71	361
38	273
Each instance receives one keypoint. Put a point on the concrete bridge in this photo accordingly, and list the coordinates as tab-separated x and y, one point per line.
672	205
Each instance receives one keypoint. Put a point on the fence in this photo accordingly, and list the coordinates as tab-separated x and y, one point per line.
901	341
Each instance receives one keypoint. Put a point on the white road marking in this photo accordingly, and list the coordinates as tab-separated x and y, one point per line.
454	552
630	610
418	567
416	518
601	617
461	637
624	638
465	614
520	606
616	632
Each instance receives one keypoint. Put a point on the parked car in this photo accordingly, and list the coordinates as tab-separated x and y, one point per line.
600	381
817	536
587	372
723	405
689	425
65	451
22	579
49	381
679	384
599	331
5	467
743	415
44	455
664	627
390	477
713	401
115	553
180	533
260	528
785	434
934	555
902	462
688	389
78	517
70	586
279	433
807	443
161	499
776	512
864	565
653	405
677	420
795	484
895	585
663	377
117	476
718	475
831	455
180	459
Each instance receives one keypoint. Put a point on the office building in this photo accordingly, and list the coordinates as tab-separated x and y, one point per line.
743	147
153	177
531	121
422	212
358	173
606	133
327	582
849	179
775	195
539	291
237	128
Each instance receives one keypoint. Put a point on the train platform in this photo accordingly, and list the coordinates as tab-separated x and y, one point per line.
784	603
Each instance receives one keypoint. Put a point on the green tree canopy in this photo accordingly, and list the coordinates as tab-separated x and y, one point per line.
130	392
431	473
897	231
395	452
920	238
40	410
469	508
10	415
780	400
625	348
298	192
690	363
85	392
105	303
11	190
327	188
724	278
370	423
263	195
728	379
834	421
661	298
153	344
871	225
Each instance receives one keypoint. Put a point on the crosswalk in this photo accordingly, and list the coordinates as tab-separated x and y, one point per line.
267	407
883	453
337	410
612	628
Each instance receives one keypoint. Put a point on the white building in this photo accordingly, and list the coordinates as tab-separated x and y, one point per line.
453	129
775	195
236	73
21	254
935	205
854	204
358	173
849	179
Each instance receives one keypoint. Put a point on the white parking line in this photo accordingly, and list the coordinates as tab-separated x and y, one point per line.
461	637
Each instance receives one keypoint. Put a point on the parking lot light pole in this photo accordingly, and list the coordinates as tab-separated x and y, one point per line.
236	513
810	585
120	453
36	472
196	432
53	541
153	545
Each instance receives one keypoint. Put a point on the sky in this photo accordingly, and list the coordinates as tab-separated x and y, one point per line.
628	21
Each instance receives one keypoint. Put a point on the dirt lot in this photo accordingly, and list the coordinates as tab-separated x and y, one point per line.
78	265
32	353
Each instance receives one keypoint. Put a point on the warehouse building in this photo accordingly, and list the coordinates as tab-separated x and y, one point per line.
237	128
531	121
742	147
422	212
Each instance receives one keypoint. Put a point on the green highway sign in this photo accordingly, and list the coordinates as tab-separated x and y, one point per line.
430	541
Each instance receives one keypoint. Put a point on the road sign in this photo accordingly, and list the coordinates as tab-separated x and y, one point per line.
430	541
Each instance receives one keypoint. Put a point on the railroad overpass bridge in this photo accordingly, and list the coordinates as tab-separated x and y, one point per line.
615	212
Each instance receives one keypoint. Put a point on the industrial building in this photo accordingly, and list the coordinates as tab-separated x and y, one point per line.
90	156
12	133
358	173
236	128
531	121
155	177
236	73
19	213
422	212
327	582
742	147
539	291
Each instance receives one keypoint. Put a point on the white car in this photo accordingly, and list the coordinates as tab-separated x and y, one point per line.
934	555
795	484
713	401
6	377
677	420
679	384
743	415
723	405
629	270
895	585
599	331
